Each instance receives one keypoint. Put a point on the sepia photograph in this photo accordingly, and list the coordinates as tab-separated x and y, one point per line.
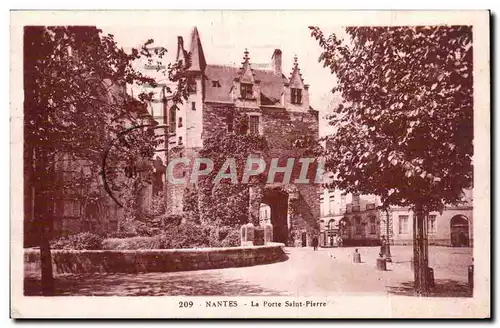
283	164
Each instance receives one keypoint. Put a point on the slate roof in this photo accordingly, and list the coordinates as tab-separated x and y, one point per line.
271	84
198	62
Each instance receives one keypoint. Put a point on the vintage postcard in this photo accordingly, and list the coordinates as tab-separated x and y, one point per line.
250	164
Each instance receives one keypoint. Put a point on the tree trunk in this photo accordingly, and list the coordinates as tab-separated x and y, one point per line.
46	264
388	226
420	252
43	219
36	161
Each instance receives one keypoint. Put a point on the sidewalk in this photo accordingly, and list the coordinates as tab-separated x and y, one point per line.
447	262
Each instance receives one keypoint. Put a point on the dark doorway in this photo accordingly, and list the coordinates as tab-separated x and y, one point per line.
459	231
277	200
92	215
304	239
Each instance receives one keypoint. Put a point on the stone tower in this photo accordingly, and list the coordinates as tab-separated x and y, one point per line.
277	107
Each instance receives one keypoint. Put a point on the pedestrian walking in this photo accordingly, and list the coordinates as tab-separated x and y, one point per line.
315	243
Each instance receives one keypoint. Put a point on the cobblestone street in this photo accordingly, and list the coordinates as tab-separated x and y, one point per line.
305	273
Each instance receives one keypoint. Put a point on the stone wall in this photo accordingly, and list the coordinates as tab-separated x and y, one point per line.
305	215
165	260
281	128
213	121
175	192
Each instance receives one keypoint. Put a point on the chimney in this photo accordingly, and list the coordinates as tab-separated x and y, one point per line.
276	59
180	49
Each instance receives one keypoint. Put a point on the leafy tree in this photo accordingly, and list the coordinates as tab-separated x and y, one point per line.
405	128
129	177
190	205
75	104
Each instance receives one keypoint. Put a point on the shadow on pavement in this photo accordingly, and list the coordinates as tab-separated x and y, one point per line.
147	284
443	288
401	262
201	282
282	258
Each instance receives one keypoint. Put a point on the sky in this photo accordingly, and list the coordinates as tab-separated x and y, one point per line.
225	36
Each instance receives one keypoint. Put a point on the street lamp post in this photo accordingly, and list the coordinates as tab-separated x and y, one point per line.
165	191
166	122
388	233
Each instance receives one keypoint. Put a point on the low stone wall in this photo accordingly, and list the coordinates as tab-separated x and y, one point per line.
161	260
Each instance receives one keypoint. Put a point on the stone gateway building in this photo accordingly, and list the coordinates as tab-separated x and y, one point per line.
277	107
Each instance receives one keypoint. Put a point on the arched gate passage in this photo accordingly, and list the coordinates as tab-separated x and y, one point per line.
277	200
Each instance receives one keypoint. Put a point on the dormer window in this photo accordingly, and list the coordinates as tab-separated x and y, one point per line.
246	91
296	96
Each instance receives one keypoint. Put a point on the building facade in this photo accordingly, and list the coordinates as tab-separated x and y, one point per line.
276	106
353	218
358	222
453	227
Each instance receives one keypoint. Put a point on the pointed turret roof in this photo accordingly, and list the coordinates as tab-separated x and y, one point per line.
198	62
296	75
246	73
